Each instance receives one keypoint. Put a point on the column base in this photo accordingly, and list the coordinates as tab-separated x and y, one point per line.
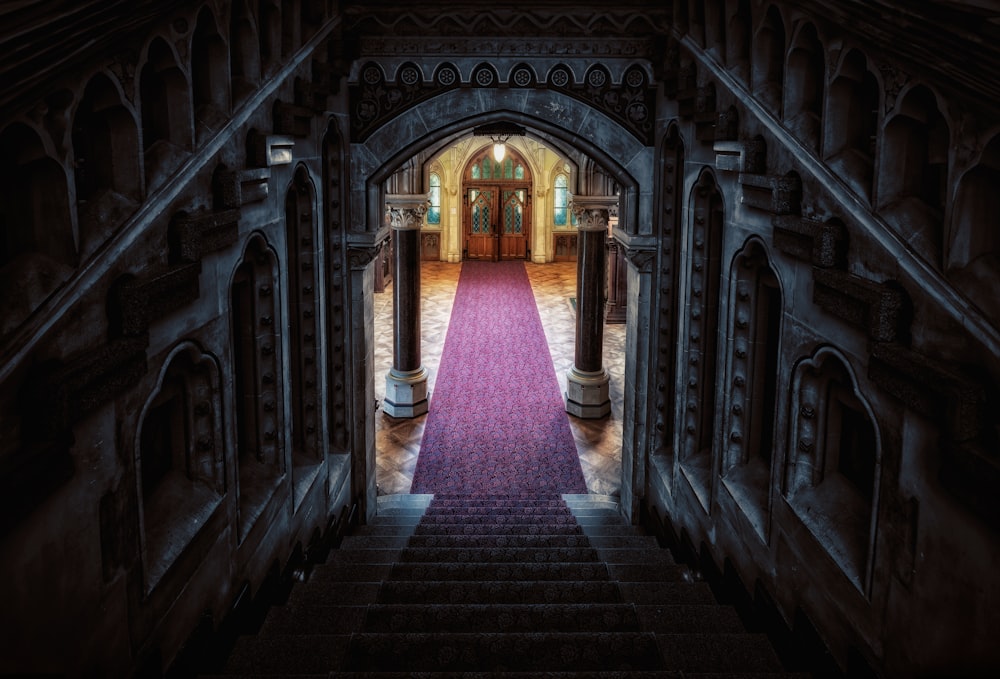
588	394
405	393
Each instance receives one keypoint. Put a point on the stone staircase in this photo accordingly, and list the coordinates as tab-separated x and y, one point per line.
513	585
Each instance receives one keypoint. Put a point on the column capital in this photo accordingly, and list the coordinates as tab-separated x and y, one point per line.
405	211
594	212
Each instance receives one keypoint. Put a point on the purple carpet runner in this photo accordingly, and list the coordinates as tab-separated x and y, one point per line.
497	422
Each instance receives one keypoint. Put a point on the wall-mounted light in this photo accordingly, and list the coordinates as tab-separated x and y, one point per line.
272	149
499	133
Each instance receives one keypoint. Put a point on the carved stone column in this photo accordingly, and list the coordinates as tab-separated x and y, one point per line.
638	367
406	382
587	392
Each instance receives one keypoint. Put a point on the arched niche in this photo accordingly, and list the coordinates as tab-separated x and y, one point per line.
258	379
805	82
715	29
304	378
269	20
974	245
37	248
851	123
166	113
179	458
769	61
739	32
914	170
701	343
209	75
752	355
291	36
106	162
244	51
833	461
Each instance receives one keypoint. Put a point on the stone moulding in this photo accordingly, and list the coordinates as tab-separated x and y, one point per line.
876	307
823	244
192	236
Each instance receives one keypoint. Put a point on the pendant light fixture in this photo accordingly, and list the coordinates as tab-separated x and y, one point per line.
499	133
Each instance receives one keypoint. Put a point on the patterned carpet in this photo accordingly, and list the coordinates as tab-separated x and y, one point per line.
497	423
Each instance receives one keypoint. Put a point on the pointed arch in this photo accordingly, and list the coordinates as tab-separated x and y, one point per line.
851	122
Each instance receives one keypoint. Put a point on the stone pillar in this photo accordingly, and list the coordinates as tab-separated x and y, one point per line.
406	382
638	368
587	392
617	283
361	388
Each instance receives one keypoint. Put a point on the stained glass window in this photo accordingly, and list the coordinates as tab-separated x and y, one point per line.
560	200
434	197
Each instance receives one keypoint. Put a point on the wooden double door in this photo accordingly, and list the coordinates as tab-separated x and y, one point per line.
497	221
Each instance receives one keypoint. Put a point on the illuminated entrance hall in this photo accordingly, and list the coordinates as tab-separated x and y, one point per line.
785	210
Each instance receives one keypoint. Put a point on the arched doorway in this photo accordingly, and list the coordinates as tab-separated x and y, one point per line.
496	207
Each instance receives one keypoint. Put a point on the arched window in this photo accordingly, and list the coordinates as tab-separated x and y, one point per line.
832	468
434	199
244	51
738	41
560	200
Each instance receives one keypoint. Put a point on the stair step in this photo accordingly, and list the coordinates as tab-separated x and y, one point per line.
611	529
511	510
385	529
350	572
364	556
610	674
594	617
502	529
479	541
620	541
635	555
374	542
600	520
718	653
310	618
287	655
593	570
494	555
395	520
688	618
471	519
494	591
400	511
667	592
334	593
498	502
644	572
505	652
405	500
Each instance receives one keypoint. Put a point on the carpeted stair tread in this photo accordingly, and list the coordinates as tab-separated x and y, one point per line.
310	618
601	520
501	501
592	570
334	593
501	529
718	652
496	520
385	529
590	617
612	529
486	554
526	651
287	655
634	555
479	541
644	572
350	572
374	542
497	591
621	541
528	512
667	592
364	556
688	618
610	674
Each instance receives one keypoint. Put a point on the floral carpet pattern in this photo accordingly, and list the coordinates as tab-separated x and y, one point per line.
497	422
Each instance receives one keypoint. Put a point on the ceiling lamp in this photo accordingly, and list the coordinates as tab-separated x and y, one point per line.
499	133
